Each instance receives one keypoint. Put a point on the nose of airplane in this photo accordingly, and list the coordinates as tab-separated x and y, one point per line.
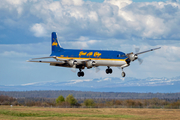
128	61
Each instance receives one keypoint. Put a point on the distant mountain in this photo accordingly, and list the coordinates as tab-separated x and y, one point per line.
112	84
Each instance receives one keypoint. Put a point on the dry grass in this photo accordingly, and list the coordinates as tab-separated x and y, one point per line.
6	112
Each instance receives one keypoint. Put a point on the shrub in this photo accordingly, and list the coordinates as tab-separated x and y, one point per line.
60	99
71	100
89	103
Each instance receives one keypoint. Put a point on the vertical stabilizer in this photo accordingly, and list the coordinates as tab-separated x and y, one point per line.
54	42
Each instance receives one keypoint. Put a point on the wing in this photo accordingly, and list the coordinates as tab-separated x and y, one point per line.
41	61
147	51
44	57
65	62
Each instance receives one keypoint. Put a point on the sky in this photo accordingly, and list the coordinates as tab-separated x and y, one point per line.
123	25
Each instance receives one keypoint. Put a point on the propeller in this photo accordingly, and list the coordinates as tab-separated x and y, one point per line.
137	50
133	57
97	69
139	59
73	69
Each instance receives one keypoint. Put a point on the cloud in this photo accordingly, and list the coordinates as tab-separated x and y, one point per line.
81	38
170	53
13	54
16	5
79	81
174	0
111	25
38	30
120	19
119	3
72	2
24	50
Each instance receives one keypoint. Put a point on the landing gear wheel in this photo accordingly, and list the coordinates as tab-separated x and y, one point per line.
123	74
109	71
80	74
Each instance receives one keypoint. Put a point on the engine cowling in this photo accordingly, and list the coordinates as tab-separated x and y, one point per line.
72	63
132	56
90	64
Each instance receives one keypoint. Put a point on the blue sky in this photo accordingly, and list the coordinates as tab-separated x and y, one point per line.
26	26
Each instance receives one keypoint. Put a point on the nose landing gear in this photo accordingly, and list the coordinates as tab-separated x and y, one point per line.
123	74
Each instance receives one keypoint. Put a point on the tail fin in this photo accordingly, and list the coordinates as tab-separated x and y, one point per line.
56	47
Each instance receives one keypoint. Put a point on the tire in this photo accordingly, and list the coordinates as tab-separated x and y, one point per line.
107	71
123	74
82	74
110	71
79	74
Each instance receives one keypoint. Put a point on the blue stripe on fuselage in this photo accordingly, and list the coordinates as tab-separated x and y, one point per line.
103	54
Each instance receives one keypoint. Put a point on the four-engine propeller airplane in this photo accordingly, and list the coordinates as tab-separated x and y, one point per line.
89	58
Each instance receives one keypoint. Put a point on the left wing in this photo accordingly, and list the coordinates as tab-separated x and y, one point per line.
44	57
55	62
40	61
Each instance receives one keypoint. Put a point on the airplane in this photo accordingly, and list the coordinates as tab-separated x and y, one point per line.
79	59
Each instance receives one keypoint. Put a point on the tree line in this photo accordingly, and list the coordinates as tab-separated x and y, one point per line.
70	101
89	94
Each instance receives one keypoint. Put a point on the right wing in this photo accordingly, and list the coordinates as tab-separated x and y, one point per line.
147	51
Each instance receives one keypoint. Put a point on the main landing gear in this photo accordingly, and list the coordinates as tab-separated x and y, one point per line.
80	73
109	70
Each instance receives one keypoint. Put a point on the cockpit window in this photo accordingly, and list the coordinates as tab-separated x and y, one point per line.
121	55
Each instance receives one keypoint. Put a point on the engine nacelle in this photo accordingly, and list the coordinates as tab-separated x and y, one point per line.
90	64
72	63
132	56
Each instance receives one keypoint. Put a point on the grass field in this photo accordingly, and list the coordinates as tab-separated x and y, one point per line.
19	112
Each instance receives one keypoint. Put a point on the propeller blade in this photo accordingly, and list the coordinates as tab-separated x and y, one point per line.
140	61
137	50
73	69
97	69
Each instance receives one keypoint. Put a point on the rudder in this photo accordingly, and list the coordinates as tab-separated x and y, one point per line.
54	42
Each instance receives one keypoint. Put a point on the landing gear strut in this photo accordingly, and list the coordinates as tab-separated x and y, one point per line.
80	73
109	70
